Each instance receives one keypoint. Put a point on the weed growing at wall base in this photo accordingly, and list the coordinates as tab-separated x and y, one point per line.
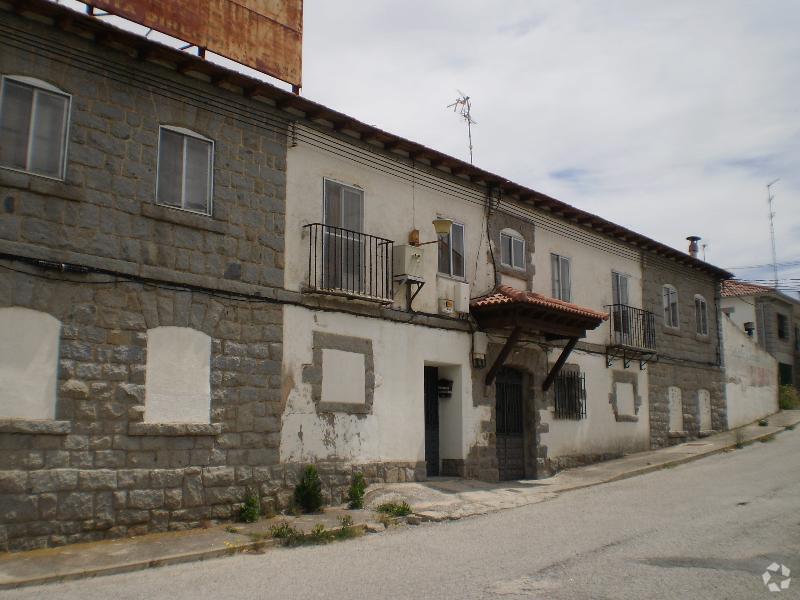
355	495
788	398
308	493
394	509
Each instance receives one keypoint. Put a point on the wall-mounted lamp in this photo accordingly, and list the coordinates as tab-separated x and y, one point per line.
440	224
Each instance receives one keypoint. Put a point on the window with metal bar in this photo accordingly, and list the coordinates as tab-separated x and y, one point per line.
569	389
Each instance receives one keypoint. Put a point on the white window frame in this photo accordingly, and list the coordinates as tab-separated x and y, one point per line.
355	188
559	293
513	237
38	84
188	133
450	273
668	322
701	319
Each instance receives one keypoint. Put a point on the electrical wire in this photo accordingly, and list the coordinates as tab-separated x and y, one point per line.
322	141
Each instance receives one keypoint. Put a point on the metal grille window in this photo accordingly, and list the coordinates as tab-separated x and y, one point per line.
670	295
512	251
185	170
570	395
560	274
451	252
701	315
33	127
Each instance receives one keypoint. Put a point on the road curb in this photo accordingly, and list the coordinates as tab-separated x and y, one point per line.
141	565
233	548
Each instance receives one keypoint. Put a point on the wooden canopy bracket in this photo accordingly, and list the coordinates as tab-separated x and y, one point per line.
503	355
559	363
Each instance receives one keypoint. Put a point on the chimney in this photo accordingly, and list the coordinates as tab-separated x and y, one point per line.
693	248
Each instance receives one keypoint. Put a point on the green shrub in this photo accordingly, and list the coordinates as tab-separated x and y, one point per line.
393	509
788	398
308	493
355	494
288	535
251	509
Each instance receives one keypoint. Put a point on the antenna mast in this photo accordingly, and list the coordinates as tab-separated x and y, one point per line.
770	198
463	106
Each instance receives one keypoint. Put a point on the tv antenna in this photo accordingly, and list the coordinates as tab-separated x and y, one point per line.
463	106
770	198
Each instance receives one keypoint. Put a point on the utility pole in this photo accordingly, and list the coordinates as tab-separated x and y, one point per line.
770	198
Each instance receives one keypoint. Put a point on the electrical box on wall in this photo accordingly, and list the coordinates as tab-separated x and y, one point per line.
446	306
408	262
461	297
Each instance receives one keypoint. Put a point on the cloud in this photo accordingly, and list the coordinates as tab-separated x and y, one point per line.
668	118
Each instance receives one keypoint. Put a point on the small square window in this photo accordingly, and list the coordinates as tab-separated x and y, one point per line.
185	170
512	251
33	127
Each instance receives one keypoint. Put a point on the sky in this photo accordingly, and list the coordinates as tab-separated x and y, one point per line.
669	118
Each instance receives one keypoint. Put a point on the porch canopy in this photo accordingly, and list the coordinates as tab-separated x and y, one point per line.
521	312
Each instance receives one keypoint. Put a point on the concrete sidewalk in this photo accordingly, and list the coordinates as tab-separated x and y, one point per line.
435	500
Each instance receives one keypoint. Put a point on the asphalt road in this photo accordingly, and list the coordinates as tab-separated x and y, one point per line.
707	529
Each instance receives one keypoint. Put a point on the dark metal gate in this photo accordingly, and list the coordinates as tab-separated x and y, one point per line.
432	420
510	430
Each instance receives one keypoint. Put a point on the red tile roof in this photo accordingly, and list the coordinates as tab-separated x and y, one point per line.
505	294
732	287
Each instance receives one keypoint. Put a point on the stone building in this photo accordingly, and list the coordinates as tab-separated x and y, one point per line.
687	394
207	282
141	254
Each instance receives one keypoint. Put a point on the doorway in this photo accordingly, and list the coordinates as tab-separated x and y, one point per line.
510	429
432	421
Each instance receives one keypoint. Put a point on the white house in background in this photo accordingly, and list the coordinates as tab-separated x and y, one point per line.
771	319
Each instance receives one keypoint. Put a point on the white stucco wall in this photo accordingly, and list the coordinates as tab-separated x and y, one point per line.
751	377
29	342
591	265
599	432
177	380
392	208
395	430
744	310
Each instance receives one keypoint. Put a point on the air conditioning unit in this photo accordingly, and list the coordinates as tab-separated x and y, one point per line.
446	306
408	262
461	297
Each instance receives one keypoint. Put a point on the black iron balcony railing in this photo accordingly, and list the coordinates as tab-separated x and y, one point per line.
570	395
631	327
349	263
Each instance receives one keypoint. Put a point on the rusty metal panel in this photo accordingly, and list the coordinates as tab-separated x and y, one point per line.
266	35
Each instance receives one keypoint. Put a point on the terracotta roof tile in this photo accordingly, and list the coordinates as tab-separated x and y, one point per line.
505	294
732	287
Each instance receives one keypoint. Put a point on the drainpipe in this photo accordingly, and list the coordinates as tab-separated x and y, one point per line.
489	194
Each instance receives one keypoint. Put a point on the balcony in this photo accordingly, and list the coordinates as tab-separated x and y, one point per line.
632	335
348	263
